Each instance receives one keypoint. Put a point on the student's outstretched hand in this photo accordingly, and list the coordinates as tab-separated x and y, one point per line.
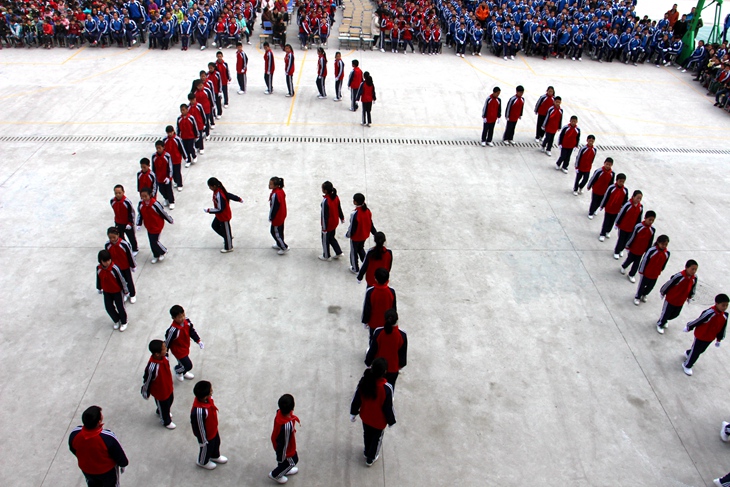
499	120
686	329
201	345
205	210
139	228
129	227
353	418
99	290
717	343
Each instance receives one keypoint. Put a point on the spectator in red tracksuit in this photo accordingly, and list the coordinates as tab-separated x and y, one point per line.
175	147
283	438
151	213
491	113
222	211
339	75
513	113
289	70
361	226
376	258
379	298
111	284
391	343
269	69
583	164
123	258
568	140
354	82
640	241
679	289
198	113
157	382
331	216
709	326
162	165
366	94
187	127
204	420
652	265
628	217
124	216
214	78
222	67
146	177
321	73
600	181
98	452
177	340
241	68
551	125
544	103
616	195
373	401
277	214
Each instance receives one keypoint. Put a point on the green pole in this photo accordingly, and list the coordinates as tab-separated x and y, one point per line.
688	41
717	25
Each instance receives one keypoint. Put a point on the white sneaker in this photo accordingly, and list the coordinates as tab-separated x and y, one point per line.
370	464
217	117
225	251
202	48
220	459
575	193
580	59
337	256
154	260
283	251
195	159
133	299
723	435
505	58
123	326
225	106
484	144
189	376
322	257
208	466
621	254
616	256
643	299
548	153
161	258
180	377
275	247
632	278
126	297
116	325
202	151
580	190
241	92
187	164
557	167
590	217
512	58
601	238
565	170
717	483
283	479
353	270
135	252
660	330
180	188
622	270
537	140
172	206
608	235
687	370
490	144
636	302
171	426
573	59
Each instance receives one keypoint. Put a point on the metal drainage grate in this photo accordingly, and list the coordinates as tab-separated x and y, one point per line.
304	139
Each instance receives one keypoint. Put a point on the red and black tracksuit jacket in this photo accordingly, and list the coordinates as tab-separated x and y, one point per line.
123	210
97	451
153	215
176	149
122	255
544	103
339	69
629	216
241	62
569	137
378	299
147	180
269	62
223	72
110	280
392	347
601	180
277	207
162	165
584	160
221	208
361	225
710	325
283	436
177	338
375	412
614	199
515	107
642	238
492	109
654	262
553	120
187	127
679	288
373	263
204	420
157	379
331	213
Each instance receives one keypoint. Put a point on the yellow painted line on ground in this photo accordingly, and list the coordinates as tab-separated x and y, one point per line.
74	55
296	88
484	72
663	124
524	60
692	86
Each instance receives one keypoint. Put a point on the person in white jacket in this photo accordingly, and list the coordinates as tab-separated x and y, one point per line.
375	28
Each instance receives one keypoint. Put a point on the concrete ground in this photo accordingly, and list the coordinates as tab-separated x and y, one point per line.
529	363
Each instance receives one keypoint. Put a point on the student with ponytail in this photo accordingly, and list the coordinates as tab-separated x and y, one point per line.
378	299
277	214
391	343
222	211
331	216
361	226
376	258
373	401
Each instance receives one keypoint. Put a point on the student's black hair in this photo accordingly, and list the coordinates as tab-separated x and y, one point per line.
690	263
194	87
278	182
119	186
211	65
146	191
103	255
620	176
191	96
159	143
338	52
496	89
184	105
286	404
359	200
239	44
113	230
202	389
367	78
636	193
369	382
662	239
328	188
650	214
214	182
355	62
573	117
322	52
203	73
520	88
91	417
557	98
550	88
216	53
266	44
169	129
144	161
721	298
382	275
591	137
391	319
155	346
379	245
176	310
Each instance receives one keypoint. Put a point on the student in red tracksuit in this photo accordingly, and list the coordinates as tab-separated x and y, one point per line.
269	69
513	113
616	196
339	75
111	284
157	382
379	298
600	181
679	289
205	98
283	438
568	140
373	401
204	420
361	226
289	69
366	94
321	73
222	211
211	88
162	165
551	125
177	340
391	343
652	265
544	103
241	68
277	214
491	113
376	258
583	164
198	113
151	213
175	147
214	78
628	217
709	326
640	241
222	67
187	127
331	216
354	82
146	177
123	258
124	216
98	452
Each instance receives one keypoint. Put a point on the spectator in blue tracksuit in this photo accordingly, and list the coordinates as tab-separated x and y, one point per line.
130	32
201	32
154	34
516	40
117	29
497	40
165	34
91	30
507	41
662	50
697	56
634	50
546	42
646	46
674	50
186	30
725	28
611	46
563	41
460	38
576	44
535	40
623	43
476	40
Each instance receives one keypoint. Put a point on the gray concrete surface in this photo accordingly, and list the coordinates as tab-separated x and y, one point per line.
529	364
